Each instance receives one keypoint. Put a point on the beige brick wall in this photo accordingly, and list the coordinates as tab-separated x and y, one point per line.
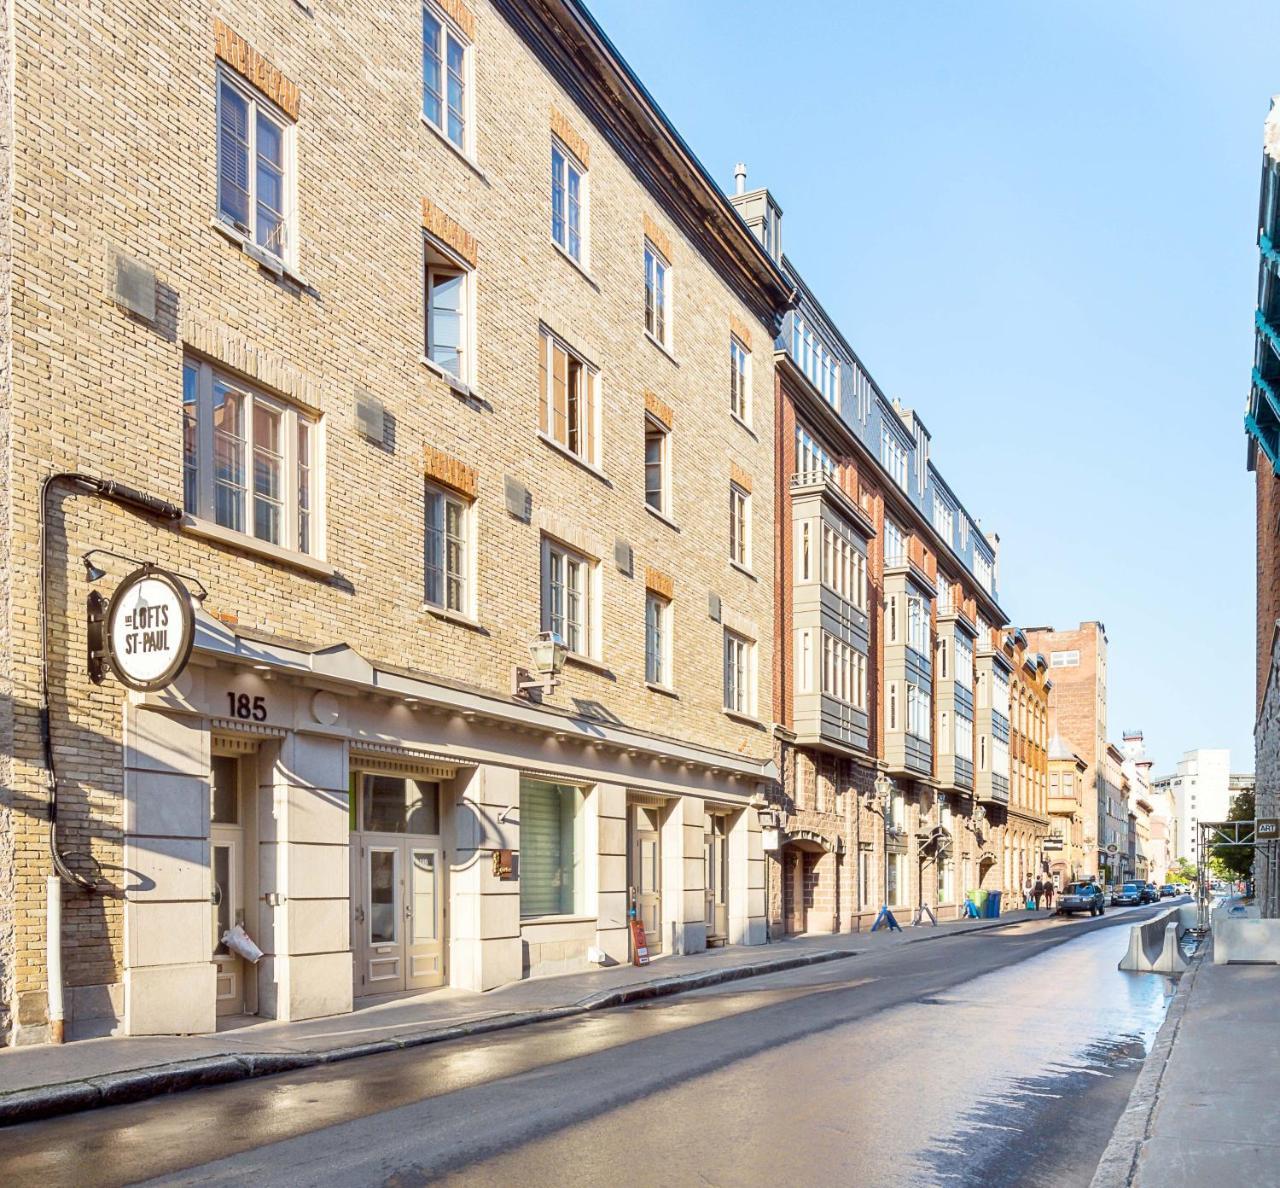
129	165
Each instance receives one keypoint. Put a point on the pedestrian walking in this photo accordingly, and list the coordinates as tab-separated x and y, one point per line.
1048	895
1037	892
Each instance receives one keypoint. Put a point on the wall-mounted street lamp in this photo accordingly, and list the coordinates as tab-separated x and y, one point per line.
547	653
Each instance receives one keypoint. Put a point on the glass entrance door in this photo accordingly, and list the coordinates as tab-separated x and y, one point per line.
716	876
645	861
226	881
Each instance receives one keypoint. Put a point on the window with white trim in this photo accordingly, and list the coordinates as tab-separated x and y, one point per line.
568	202
893	454
739	526
895	544
250	461
963	661
568	596
944	518
982	571
448	553
739	380
257	177
844	672
919	712
568	399
1000	694
811	458
844	568
657	466
657	295
918	625
1064	659
448	310
999	757
739	677
657	639
964	738
816	360
446	67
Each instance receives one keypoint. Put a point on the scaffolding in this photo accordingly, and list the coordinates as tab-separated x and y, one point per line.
1215	835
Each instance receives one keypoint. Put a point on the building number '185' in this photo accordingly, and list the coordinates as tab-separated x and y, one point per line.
244	706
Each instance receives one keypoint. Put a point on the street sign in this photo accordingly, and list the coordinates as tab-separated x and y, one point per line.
1268	828
1052	843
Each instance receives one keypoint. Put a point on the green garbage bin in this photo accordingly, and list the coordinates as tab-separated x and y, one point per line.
979	901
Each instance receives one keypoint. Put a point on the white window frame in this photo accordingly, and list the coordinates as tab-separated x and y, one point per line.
739	674
199	378
588	425
449	30
963	661
812	458
259	104
440	261
844	672
657	639
895	544
657	296
983	571
918	624
944	518
919	712
816	360
739	526
570	166
964	737
437	498
655	429
894	452
740	380
560	561
1068	659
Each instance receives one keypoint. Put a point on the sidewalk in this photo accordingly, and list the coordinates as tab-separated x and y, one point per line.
1204	1108
42	1081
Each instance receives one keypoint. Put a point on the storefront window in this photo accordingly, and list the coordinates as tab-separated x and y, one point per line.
393	804
895	892
551	849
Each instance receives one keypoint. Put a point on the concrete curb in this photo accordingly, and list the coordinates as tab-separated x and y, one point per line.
47	1101
1119	1161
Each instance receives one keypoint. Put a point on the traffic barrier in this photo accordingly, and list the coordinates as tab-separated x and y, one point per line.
1153	946
1243	939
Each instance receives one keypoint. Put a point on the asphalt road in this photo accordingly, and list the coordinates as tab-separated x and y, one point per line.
997	1058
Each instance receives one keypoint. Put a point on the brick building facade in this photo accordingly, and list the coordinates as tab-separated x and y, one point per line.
432	347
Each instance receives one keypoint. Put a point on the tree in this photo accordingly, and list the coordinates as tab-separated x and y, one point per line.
1236	862
1181	871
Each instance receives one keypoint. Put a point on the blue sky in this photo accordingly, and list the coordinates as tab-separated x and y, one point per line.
1035	223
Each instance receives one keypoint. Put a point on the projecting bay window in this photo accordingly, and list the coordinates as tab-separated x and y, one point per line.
963	662
568	597
844	672
1000	694
445	77
567	399
448	309
256	172
552	849
844	568
657	296
568	202
448	551
964	738
250	461
918	625
919	712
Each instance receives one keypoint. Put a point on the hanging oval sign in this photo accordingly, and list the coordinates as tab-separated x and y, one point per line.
150	629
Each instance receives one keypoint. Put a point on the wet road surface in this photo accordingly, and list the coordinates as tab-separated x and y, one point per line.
999	1058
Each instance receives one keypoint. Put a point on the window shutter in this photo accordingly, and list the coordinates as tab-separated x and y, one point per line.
546	848
560	394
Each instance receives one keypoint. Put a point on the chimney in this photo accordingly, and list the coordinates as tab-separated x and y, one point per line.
740	178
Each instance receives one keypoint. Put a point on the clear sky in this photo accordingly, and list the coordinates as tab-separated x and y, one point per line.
1035	222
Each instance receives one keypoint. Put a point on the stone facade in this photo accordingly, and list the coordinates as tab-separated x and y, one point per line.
354	670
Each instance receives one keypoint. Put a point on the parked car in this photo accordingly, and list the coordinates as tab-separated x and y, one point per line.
1127	895
1168	891
1150	893
1082	897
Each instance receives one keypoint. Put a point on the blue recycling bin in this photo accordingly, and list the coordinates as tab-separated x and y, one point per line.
992	911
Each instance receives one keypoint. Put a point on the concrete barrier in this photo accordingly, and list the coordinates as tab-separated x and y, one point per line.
1243	939
1153	946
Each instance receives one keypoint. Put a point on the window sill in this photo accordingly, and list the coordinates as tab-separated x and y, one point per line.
662	346
570	918
578	266
568	453
657	515
460	387
665	690
245	543
453	148
733	416
263	259
456	617
744	570
581	661
745	719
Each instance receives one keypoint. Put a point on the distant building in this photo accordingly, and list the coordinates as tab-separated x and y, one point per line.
1064	847
1151	818
1200	790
